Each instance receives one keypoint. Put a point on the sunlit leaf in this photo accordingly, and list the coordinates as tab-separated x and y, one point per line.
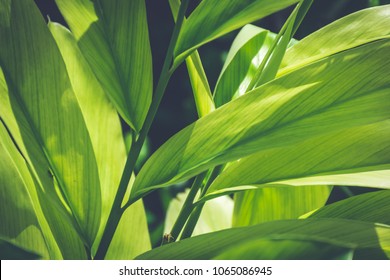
107	140
277	203
211	20
319	99
113	36
41	96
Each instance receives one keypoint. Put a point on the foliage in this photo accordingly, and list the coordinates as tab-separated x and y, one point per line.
287	122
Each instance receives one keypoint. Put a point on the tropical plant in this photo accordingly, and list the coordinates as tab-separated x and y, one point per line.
286	122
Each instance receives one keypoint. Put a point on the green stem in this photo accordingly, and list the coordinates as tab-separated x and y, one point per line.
194	217
117	210
187	206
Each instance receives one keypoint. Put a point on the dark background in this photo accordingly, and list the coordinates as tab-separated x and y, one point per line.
178	108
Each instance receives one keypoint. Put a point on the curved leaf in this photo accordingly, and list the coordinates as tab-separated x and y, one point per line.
211	20
39	87
370	207
113	37
348	151
106	133
346	33
244	57
345	233
343	91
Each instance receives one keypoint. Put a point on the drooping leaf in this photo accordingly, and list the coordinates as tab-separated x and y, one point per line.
107	140
277	203
113	37
19	223
349	151
244	57
10	251
343	91
217	214
200	85
42	96
346	33
211	20
337	232
268	249
370	207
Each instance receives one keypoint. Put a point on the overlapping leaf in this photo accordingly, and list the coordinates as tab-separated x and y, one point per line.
10	251
113	37
350	234
106	135
343	91
211	20
41	97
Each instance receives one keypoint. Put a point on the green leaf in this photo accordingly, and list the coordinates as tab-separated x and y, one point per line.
349	151
106	134
17	215
268	249
244	57
114	38
339	232
343	91
370	207
211	20
216	214
10	251
41	93
346	33
199	83
57	227
277	203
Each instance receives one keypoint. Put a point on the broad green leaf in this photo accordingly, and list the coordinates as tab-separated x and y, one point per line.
277	203
343	91
200	85
244	57
348	151
19	223
57	227
113	37
106	134
10	251
268	249
217	214
370	207
346	33
39	88
350	234
211	20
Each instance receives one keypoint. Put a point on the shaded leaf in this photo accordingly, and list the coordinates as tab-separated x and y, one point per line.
9	251
345	233
113	37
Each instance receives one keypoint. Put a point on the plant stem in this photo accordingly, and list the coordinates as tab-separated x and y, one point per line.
194	217
187	206
117	210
